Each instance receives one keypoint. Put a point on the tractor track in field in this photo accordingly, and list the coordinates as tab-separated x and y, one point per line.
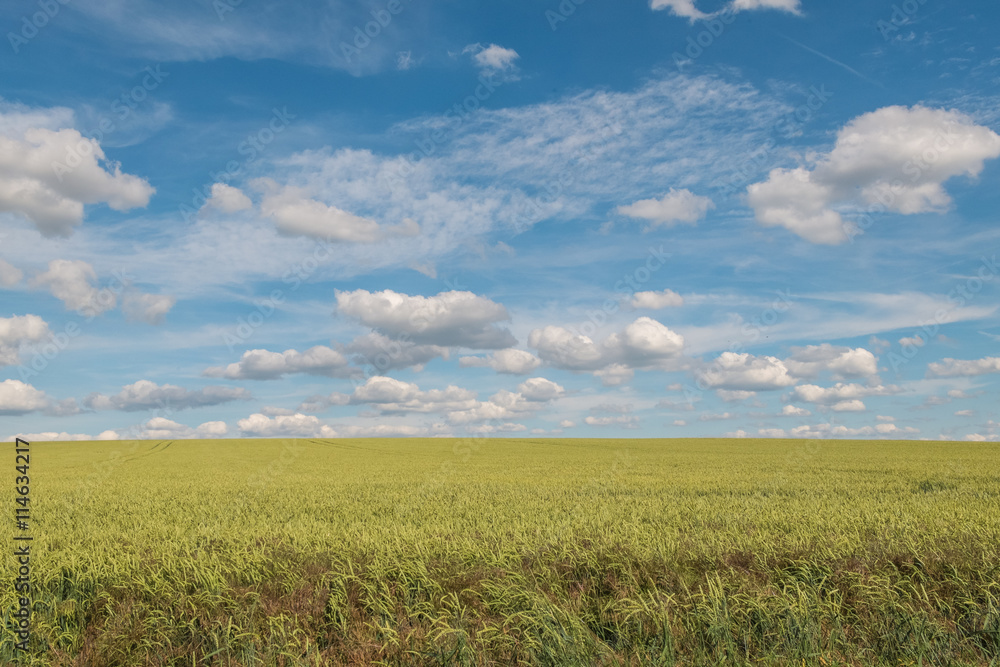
326	443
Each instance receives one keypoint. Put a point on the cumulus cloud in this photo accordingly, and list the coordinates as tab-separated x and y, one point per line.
531	396
148	308
914	341
146	395
540	389
460	319
161	428
47	175
734	396
645	343
657	300
383	353
896	158
675	207
853	405
794	411
227	199
54	436
494	59
18	398
745	372
843	362
840	394
688	9
9	275
309	426
73	283
297	214
266	365
841	431
615	375
949	367
18	331
510	361
391	395
623	421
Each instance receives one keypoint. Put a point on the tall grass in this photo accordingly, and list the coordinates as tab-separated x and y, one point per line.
546	552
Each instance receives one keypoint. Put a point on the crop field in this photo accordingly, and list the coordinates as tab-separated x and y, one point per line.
512	551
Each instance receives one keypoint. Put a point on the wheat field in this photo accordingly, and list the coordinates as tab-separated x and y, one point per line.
512	551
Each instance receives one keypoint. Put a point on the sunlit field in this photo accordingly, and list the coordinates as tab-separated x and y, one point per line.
535	552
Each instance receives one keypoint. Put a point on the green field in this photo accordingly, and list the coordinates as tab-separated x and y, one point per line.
493	551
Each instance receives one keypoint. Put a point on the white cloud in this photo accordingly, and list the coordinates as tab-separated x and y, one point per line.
53	436
147	395
161	428
566	423
683	8
494	59
267	365
645	343
731	396
965	413
72	282
885	418
624	421
657	300
831	430
711	416
454	318
675	207
540	389
687	8
389	395
915	341
531	396
794	411
615	375
227	199
9	275
297	425
296	214
843	362
949	367
745	372
680	422
148	308
853	405
897	158
511	361
17	331
18	398
840	393
47	175
384	353
216	429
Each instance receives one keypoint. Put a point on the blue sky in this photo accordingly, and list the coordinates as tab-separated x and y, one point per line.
677	218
